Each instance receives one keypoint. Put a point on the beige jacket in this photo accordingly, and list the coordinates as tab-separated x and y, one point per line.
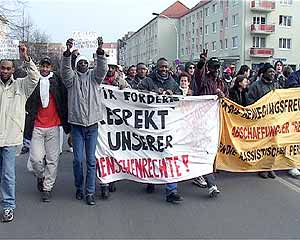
13	96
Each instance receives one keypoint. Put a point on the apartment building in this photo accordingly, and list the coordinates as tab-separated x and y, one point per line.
157	38
242	32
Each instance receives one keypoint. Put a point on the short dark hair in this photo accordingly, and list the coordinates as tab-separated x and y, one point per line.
242	70
161	59
8	60
139	64
185	74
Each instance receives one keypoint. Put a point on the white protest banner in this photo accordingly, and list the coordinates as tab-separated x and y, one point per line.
153	138
85	39
9	49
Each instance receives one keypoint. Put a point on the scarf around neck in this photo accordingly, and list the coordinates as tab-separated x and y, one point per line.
44	90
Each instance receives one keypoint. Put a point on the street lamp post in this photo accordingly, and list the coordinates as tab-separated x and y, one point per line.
176	30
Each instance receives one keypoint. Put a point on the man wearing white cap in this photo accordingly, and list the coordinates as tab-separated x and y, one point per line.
84	114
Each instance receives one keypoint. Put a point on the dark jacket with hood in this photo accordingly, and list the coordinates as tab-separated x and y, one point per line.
135	82
154	82
294	79
60	94
260	88
239	97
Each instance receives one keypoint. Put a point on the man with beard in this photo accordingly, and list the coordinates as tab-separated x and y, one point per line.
139	77
161	82
257	90
84	114
14	93
208	82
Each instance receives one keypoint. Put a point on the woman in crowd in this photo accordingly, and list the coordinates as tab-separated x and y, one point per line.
239	90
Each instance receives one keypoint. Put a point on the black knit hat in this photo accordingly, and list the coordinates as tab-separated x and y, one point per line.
266	67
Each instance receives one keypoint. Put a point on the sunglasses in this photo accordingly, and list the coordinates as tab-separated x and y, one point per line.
191	67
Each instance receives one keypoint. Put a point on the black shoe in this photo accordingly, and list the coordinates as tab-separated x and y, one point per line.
90	199
105	192
271	174
150	188
263	175
79	195
7	215
174	198
24	150
46	196
112	187
40	184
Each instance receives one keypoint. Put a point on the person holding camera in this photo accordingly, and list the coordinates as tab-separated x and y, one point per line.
83	85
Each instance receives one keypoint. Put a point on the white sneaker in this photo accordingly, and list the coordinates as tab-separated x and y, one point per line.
213	191
294	172
200	182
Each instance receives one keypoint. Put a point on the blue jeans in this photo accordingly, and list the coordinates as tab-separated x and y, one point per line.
8	176
84	137
171	188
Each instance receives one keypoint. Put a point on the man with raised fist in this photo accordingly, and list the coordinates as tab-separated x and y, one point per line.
83	86
14	93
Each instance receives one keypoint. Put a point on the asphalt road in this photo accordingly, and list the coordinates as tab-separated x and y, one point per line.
248	207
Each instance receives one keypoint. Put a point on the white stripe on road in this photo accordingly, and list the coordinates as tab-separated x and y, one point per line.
290	185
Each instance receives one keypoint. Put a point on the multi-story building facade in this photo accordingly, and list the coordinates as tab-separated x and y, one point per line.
242	32
237	31
121	51
157	38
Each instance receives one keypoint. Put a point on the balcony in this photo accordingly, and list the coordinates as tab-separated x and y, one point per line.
263	6
263	28
261	52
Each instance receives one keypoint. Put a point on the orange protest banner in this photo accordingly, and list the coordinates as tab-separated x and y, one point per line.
262	136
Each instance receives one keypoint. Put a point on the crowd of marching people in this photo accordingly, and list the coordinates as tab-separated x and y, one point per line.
70	101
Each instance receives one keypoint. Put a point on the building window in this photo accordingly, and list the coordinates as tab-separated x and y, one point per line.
234	42
214	27
201	31
221	4
259	20
206	46
285	21
226	22
221	24
234	2
221	44
206	12
201	14
182	51
182	22
182	36
286	2
206	29
235	20
214	8
285	43
259	42
226	43
214	45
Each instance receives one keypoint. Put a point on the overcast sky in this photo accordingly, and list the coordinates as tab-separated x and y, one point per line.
109	18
